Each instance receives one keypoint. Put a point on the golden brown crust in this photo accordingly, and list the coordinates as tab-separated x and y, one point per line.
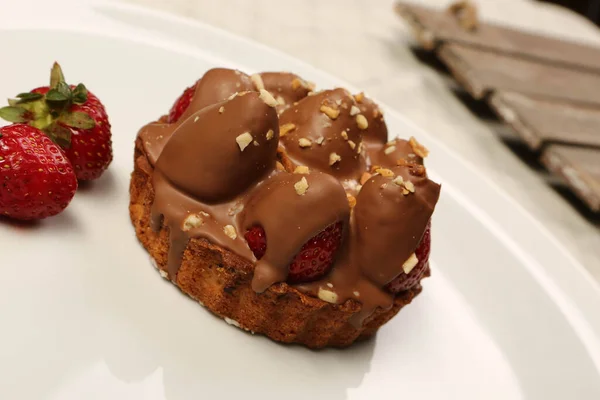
221	280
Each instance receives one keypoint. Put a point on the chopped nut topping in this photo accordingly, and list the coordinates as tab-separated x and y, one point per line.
356	293
362	122
351	144
389	150
204	214
359	97
258	82
327	124
280	100
383	186
418	148
328	296
221	109
330	284
285	129
344	135
244	140
410	263
351	200
338	102
329	111
354	111
417	170
385	172
304	142
279	166
230	231
255	143
375	112
398	180
320	140
269	135
301	169
232	96
301	186
374	168
296	83
333	158
196	118
267	98
405	191
365	177
236	209
192	221
360	148
410	186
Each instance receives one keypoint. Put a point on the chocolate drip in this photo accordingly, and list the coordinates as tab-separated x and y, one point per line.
325	121
286	88
204	157
290	219
215	86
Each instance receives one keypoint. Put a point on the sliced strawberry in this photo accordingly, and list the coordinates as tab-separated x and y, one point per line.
314	259
181	104
406	281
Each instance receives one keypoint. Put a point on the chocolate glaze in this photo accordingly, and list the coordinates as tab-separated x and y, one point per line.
286	88
391	153
217	85
289	226
376	134
201	171
311	123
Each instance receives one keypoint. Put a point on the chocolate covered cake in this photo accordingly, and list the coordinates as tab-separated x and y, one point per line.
283	210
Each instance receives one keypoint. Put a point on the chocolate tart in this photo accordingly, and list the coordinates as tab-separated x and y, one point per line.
234	160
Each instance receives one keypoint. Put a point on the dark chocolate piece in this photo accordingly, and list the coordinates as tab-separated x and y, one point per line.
580	168
539	120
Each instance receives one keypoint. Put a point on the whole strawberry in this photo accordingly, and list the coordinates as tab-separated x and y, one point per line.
37	180
72	117
314	259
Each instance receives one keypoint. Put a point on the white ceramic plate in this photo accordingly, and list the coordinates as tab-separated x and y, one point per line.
508	314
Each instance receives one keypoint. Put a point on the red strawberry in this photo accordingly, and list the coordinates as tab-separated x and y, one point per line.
314	259
406	281
181	104
37	180
72	117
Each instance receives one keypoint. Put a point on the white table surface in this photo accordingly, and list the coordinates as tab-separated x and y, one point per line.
365	43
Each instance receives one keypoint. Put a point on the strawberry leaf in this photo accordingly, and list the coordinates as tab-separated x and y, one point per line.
77	119
13	114
54	95
80	94
56	75
27	97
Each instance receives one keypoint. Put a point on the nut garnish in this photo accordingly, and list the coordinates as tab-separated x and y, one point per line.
296	83
359	97
301	169
328	296
333	158
301	186
418	148
257	80
398	180
244	140
233	96
285	129
362	122
329	284
280	100
385	172
351	144
374	168
319	140
269	135
192	221
255	143
410	263
267	98
409	186
344	135
196	118
304	142
221	109
236	209
354	111
365	177
230	231
359	149
356	293
329	111
351	200
338	102
389	150
376	113
279	166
